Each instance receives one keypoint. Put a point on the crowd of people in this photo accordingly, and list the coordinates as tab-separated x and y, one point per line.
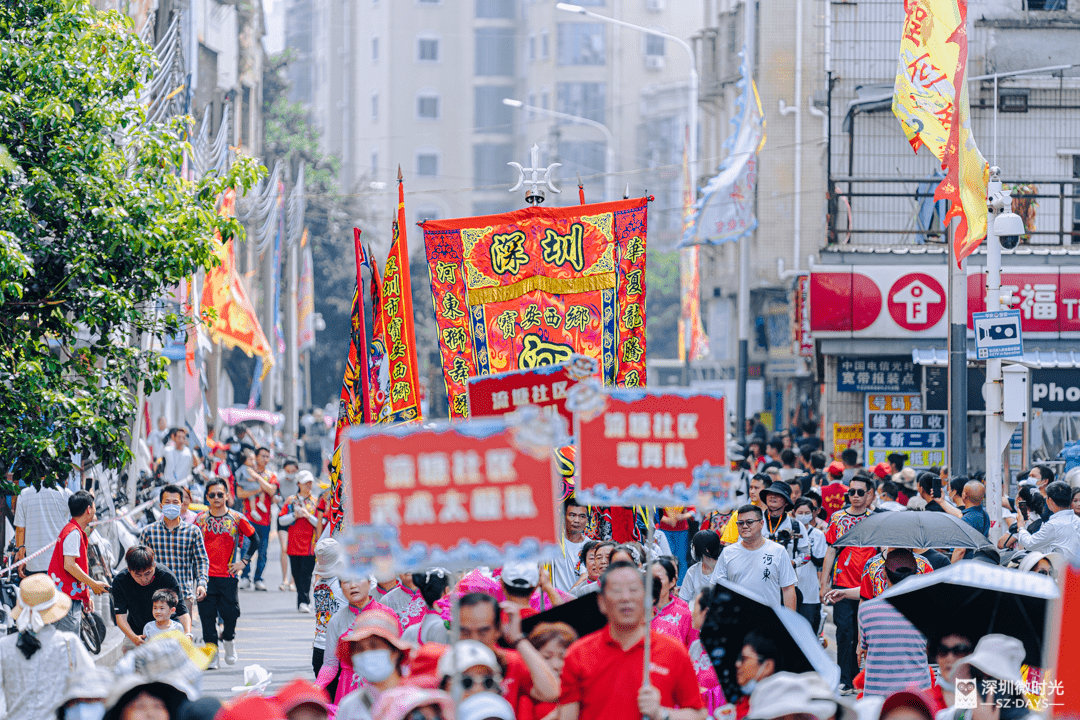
489	644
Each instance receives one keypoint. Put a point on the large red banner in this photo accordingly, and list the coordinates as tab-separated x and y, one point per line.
531	287
649	448
473	492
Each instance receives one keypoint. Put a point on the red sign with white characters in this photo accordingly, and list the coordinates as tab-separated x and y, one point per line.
890	301
643	448
470	482
545	387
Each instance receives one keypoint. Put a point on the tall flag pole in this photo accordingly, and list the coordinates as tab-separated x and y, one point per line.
354	406
397	324
690	278
930	99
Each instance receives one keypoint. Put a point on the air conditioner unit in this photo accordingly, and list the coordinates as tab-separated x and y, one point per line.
654	62
655	5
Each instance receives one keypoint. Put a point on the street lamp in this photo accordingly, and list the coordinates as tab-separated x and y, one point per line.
609	155
691	116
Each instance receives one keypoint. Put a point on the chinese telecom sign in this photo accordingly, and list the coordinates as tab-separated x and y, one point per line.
546	387
648	448
887	373
467	494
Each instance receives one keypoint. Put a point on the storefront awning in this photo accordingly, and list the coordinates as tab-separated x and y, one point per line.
1033	359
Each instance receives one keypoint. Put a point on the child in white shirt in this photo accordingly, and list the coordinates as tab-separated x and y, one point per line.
164	605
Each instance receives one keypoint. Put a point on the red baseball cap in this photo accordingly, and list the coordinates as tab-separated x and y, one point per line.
836	468
882	470
250	707
423	665
301	692
915	699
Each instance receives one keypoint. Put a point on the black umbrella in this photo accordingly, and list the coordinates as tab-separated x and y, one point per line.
974	599
582	614
914	530
734	612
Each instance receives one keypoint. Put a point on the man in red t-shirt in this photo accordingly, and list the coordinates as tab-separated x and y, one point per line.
526	670
602	673
258	502
69	567
847	574
223	532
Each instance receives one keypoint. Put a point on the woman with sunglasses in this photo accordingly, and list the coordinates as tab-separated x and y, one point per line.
468	668
949	651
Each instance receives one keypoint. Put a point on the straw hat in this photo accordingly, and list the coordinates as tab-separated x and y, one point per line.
41	602
396	704
371	623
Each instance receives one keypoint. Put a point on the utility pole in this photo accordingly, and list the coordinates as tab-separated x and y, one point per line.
957	346
749	47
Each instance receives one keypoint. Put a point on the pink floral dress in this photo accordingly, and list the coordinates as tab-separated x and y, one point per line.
674	620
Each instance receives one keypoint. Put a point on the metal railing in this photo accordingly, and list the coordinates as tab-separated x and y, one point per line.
866	210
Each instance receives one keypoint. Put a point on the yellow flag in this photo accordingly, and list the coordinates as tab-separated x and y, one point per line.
930	99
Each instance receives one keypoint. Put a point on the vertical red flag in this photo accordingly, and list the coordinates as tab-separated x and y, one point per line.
354	407
396	319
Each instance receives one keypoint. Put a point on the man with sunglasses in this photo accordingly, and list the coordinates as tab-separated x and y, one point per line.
761	566
848	573
223	532
133	595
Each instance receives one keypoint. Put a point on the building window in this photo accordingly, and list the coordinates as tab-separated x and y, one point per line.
500	9
532	48
374	106
1013	100
654	45
532	104
494	51
544	37
1047	5
427	49
545	99
427	105
375	48
429	2
489	163
582	99
427	162
491	115
581	43
374	161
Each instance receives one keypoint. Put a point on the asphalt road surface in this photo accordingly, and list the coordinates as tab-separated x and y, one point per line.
270	633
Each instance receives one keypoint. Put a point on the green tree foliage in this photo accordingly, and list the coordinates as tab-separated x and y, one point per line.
96	227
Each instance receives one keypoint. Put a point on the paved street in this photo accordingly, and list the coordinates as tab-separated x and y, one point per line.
270	633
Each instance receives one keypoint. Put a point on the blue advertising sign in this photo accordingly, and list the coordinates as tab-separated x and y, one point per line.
997	334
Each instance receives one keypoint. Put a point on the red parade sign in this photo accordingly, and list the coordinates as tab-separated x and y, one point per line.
455	486
545	387
643	448
889	301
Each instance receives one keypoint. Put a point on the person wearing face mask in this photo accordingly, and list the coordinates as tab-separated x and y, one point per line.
949	651
287	487
809	556
376	653
179	546
757	661
85	695
358	593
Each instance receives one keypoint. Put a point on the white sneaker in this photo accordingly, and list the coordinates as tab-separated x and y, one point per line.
245	584
214	661
305	608
260	585
230	652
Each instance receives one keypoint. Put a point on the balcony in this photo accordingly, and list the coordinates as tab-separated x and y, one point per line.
864	210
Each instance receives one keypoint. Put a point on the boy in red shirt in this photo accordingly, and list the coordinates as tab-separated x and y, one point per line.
223	532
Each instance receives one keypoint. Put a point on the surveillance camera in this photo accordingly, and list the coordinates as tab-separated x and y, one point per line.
1008	227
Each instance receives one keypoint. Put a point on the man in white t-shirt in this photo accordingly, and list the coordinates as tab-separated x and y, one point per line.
40	515
179	460
756	564
569	567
